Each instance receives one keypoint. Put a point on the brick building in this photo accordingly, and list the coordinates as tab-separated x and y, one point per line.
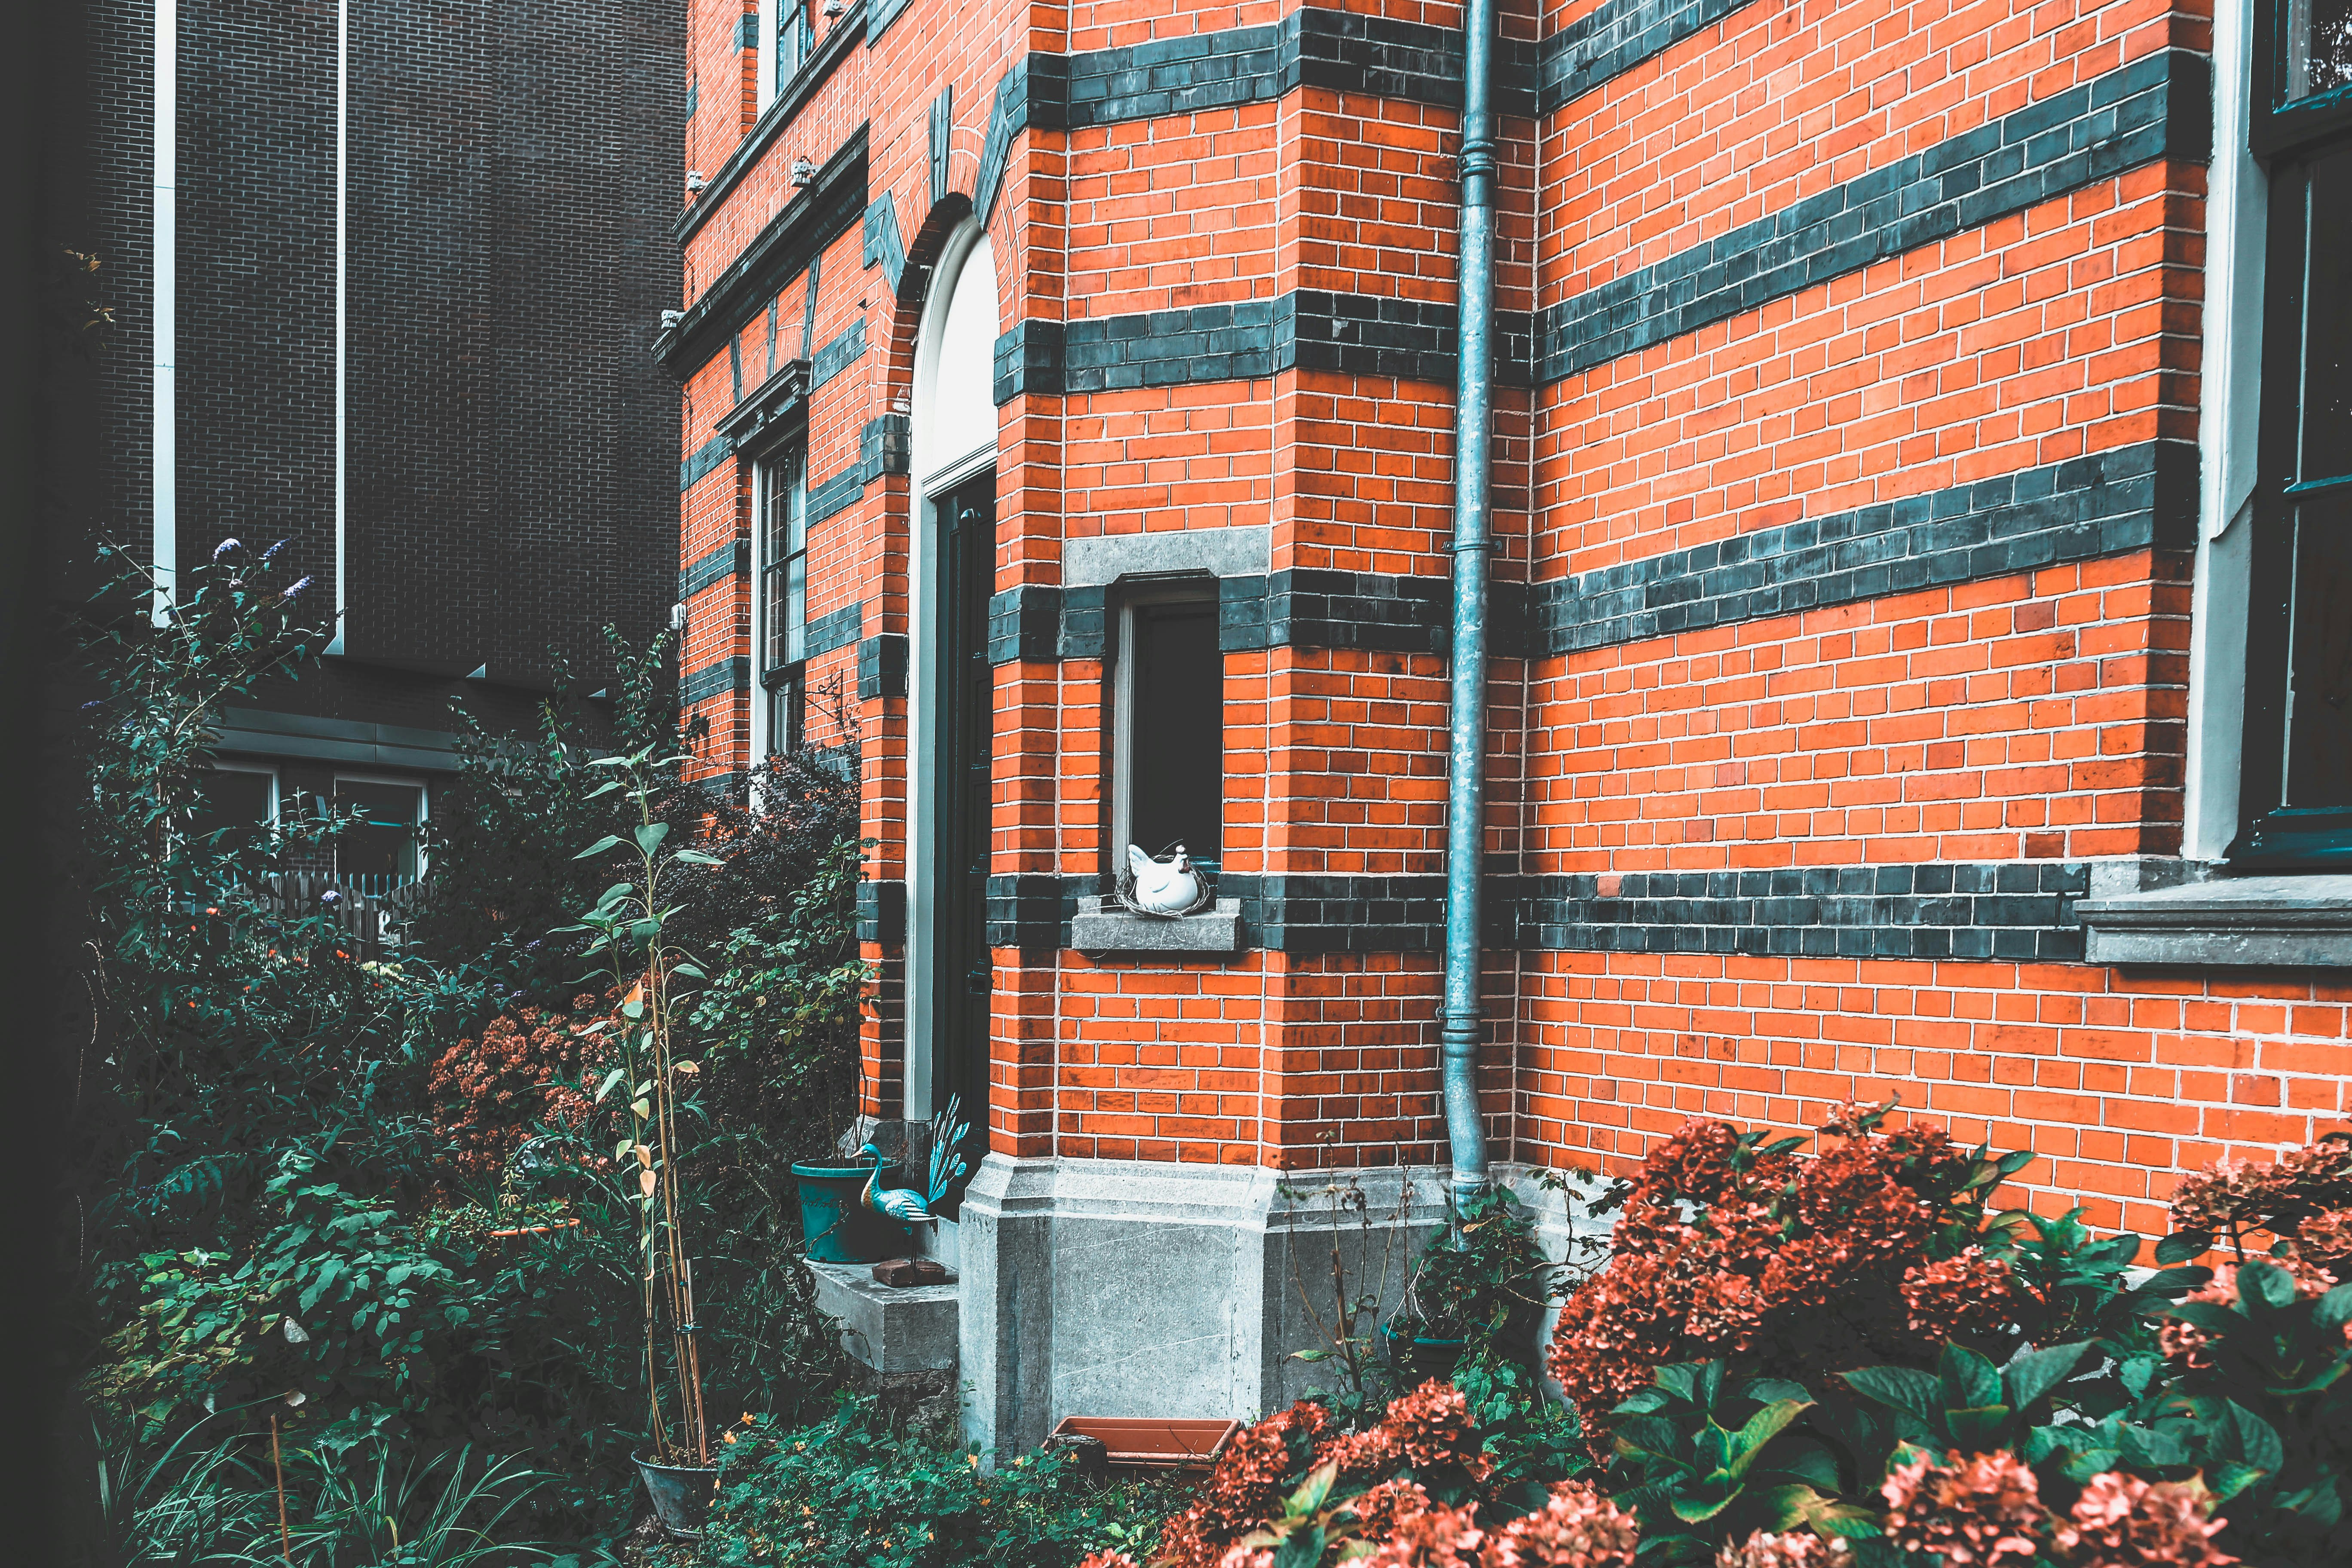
1918	619
384	280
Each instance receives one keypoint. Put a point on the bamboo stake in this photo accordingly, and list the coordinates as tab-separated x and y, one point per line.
285	1535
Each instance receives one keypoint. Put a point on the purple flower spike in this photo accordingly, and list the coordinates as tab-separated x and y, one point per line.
272	551
330	896
297	588
223	547
93	703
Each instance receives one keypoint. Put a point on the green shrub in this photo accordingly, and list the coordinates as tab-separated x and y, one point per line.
854	1489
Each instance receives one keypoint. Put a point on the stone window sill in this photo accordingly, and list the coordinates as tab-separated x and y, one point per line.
1102	927
2301	922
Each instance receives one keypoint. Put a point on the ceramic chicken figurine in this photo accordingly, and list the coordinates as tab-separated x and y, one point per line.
904	1205
1163	887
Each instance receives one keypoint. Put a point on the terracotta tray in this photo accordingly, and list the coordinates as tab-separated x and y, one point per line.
1146	1443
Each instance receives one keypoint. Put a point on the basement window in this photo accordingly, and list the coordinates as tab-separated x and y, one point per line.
1168	724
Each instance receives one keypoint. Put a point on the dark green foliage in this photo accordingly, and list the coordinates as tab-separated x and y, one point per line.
854	1489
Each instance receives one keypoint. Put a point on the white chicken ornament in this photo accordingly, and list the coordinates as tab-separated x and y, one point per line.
1163	887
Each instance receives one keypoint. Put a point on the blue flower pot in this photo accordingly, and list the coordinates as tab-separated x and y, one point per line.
836	1226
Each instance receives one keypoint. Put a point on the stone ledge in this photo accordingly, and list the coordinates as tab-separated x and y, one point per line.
1098	929
2298	921
913	1329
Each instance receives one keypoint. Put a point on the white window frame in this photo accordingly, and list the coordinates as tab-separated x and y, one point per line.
424	809
763	472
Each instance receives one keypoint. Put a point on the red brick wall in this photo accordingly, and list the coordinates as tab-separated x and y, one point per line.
2025	717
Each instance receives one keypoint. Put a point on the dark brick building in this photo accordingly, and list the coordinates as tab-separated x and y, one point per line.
413	256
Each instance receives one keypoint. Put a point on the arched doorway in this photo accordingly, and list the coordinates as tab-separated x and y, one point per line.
954	562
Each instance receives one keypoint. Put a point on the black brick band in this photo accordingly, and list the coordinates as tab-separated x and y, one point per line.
882	667
882	911
883	241
1614	37
719	679
1024	623
838	628
707	456
2134	497
839	354
2019	912
2022	912
2155	106
732	558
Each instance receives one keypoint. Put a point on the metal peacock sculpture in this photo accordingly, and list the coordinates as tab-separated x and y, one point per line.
904	1205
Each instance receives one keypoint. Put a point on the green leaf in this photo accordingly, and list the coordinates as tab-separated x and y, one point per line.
1310	1355
2182	1245
1308	1497
1783	1507
598	847
1300	1549
2033	1374
1680	1379
2258	1441
2152	1449
650	835
1899	1387
1978	1429
1700	1504
2334	1308
2273	1285
2231	1478
1761	1428
697	857
615	1076
1970	1380
607	787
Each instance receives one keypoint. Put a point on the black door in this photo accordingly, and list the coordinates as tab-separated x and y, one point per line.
967	523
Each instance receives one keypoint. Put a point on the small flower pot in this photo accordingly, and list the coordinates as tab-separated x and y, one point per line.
681	1495
1418	1357
836	1226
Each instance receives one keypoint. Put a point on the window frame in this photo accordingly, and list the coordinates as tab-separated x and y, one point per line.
268	770
424	789
778	19
779	682
2271	834
1128	596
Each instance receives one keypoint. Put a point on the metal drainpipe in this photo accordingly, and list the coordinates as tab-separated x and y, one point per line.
1473	478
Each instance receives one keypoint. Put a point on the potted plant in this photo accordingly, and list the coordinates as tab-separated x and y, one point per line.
627	926
1478	1287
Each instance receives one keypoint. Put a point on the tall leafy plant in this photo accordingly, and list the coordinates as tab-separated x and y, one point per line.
628	926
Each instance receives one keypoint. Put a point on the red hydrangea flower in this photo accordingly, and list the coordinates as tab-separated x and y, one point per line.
2122	1521
1578	1528
1978	1510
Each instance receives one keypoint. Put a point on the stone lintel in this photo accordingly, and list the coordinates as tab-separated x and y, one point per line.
2201	919
1100	926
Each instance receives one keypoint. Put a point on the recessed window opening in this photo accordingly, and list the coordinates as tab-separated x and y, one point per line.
1168	723
381	851
787	38
235	796
2295	786
780	505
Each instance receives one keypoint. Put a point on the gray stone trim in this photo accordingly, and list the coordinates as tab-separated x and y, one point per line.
1024	623
885	446
837	628
2186	913
815	72
839	354
732	674
1100	926
732	558
1240	550
2022	912
780	400
882	911
2130	498
1029	359
1614	37
818	213
258	731
883	241
707	456
2155	106
882	667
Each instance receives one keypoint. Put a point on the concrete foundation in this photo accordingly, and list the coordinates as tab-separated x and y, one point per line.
1127	1287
